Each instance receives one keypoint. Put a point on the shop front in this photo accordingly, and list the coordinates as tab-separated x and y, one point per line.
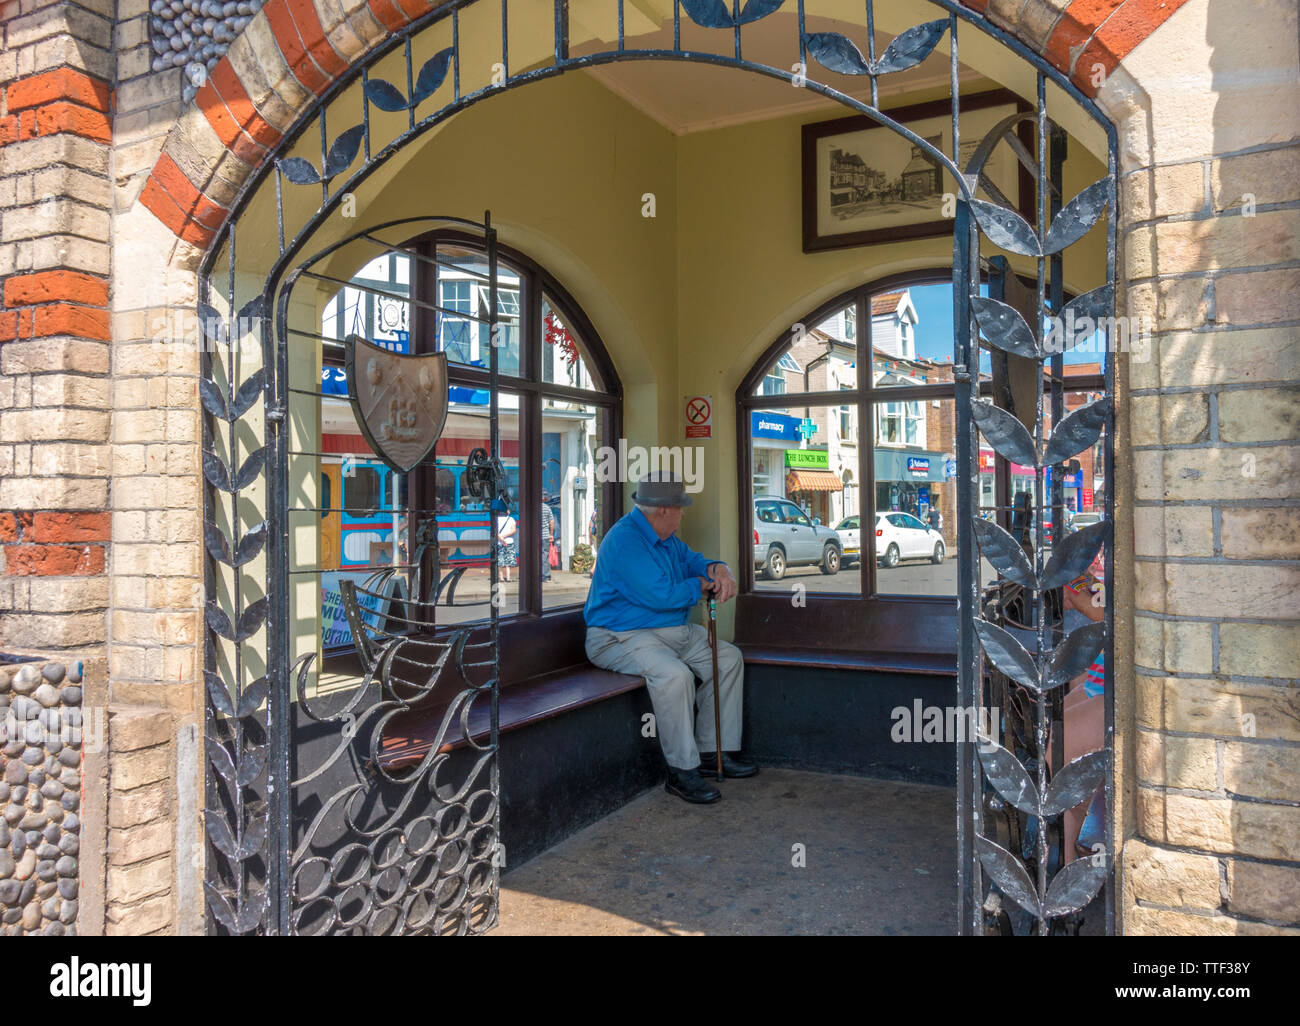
913	481
774	435
811	483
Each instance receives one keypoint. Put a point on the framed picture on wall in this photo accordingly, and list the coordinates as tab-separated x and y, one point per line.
863	184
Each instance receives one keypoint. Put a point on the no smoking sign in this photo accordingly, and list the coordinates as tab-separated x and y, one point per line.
699	416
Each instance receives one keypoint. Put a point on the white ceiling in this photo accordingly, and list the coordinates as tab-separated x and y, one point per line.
686	96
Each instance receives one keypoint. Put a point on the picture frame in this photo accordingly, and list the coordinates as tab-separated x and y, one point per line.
863	184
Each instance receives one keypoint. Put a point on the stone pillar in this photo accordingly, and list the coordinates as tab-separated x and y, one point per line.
1208	110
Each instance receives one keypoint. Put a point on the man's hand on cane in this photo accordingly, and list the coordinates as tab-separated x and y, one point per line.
721	583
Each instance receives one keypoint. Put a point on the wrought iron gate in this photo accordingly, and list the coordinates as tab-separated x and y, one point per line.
353	855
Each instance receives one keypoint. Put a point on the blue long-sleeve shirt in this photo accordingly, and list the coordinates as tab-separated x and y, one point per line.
641	581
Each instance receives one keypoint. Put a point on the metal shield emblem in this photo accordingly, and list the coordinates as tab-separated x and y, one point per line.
399	401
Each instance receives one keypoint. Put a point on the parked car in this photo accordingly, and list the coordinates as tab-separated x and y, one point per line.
901	536
784	536
849	530
1082	520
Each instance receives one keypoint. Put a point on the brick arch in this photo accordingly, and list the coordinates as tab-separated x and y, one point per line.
294	50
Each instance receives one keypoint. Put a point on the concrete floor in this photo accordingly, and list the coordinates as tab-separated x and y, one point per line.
879	858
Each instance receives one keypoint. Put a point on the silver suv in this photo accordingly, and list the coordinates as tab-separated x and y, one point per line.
784	537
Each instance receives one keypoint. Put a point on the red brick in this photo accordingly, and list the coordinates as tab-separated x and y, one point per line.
8	326
214	109
52	286
8	129
168	175
224	80
296	52
157	200
70	319
71	117
392	18
59	84
313	37
1075	28
8	527
54	560
1117	37
27	125
69	527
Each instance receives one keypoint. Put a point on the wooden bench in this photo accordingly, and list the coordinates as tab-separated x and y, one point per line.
409	736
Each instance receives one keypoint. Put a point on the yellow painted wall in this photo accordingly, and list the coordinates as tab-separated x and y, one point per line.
685	301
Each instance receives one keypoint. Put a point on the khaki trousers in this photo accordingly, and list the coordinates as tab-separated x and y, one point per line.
669	658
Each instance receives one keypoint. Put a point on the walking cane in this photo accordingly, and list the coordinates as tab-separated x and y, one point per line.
717	703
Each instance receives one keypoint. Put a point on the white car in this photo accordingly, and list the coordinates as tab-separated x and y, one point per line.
901	536
849	530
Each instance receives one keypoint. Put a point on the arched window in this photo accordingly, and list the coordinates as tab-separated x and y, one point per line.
559	403
865	462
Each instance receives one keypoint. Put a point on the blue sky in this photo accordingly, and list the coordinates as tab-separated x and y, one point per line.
934	325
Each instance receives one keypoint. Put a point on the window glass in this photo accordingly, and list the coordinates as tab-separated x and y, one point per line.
571	449
361	490
563	351
801	492
463	330
817	358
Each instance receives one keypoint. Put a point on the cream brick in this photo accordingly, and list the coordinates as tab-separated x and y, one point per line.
1262	771
62	215
139	426
1149	586
1189	531
1162	191
1258	297
128	460
1262	472
54	424
141	842
129	770
80	459
69	390
1261	533
127	884
1259	650
1148	641
1224	708
1212	590
1187	763
1170	878
1264	891
144	917
1175	247
54	354
159	560
1219	825
53	631
137	729
1188	647
1159	922
1268	176
49	493
1149	530
68	595
1260	415
70	251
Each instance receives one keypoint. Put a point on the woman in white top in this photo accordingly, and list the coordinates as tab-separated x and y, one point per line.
508	554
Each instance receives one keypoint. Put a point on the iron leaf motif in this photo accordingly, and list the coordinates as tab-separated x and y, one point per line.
1074	655
218	620
1008	874
1075	782
253	696
1008	776
343	152
1077	217
1005	228
1005	553
1076	432
1007	654
212	326
1003	326
385	96
219	906
251	468
432	74
1074	886
837	53
221	761
213	400
301	171
255	905
911	47
1092	306
1005	433
216	542
247	394
250	545
298	170
214	469
219	693
1073	556
252	763
756	9
250	620
220	835
708	13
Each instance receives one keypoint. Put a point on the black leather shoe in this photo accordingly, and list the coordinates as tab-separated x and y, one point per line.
734	765
689	786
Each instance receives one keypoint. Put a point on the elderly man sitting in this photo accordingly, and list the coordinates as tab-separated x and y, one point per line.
646	581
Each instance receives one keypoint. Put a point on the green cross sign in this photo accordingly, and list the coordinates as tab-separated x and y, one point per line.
807	428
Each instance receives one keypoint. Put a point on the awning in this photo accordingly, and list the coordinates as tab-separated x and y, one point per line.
812	481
